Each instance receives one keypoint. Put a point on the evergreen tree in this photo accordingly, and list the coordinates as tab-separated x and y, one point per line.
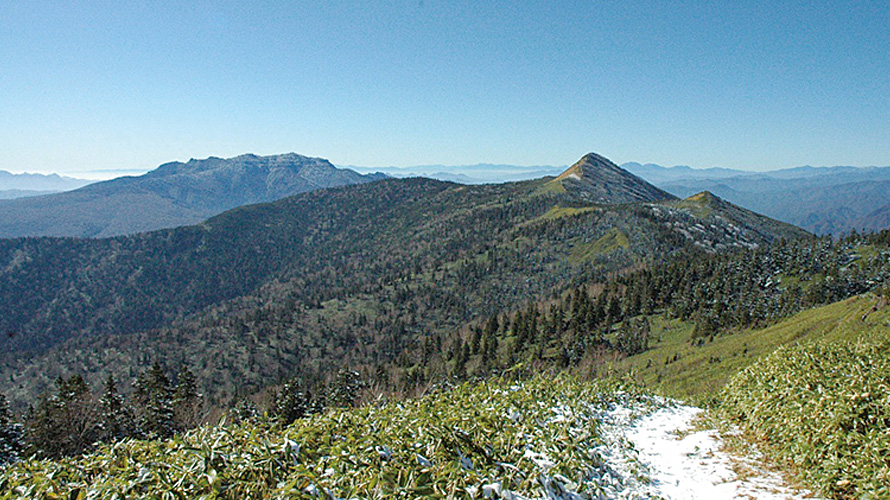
244	410
345	389
505	325
291	403
187	402
475	340
63	423
705	324
492	326
11	435
633	336
460	359
533	314
491	352
614	308
484	361
155	398
116	420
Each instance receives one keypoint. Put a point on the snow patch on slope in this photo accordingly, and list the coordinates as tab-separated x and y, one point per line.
678	464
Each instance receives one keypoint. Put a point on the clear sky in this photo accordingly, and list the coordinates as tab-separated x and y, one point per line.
123	84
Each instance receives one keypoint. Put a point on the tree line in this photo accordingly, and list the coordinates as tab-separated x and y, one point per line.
72	419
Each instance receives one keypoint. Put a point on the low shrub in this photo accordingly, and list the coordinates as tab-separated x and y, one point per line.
824	410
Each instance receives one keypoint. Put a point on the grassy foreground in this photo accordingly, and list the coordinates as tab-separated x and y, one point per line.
823	410
517	438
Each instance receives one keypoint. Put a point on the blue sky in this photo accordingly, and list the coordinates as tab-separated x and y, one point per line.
753	85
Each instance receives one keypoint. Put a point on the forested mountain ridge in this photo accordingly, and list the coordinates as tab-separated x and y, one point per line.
174	194
355	275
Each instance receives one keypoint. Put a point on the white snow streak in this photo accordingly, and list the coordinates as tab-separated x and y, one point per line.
691	467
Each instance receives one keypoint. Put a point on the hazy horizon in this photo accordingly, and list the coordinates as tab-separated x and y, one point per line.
102	175
744	85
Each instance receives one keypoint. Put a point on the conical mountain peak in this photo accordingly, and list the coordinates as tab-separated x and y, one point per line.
597	179
705	197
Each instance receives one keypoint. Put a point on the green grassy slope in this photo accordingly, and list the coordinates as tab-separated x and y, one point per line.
821	410
812	391
676	367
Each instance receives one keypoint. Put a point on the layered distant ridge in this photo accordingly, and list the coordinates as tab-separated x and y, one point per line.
174	194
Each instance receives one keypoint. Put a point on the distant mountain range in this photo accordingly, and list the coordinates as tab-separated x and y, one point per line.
824	200
174	194
347	276
875	221
12	194
24	185
480	173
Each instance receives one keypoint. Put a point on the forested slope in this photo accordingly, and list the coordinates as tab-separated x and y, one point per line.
349	276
